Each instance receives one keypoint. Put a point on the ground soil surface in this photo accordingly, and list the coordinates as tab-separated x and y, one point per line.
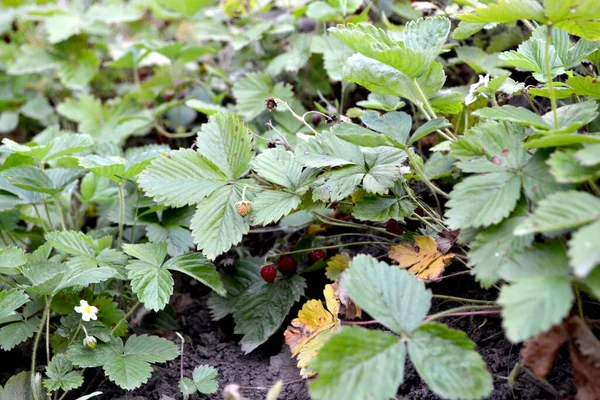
214	343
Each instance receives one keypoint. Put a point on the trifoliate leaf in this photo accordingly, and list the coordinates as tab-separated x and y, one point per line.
359	363
182	177
562	210
422	259
313	327
126	365
392	296
326	150
261	309
534	305
10	300
447	361
204	378
61	375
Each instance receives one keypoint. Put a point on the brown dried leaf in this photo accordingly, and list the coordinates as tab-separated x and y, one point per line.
347	307
540	352
585	356
422	259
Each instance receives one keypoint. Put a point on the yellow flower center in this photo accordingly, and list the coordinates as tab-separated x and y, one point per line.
87	309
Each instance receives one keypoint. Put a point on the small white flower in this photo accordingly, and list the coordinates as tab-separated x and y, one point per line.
87	312
90	342
404	170
472	96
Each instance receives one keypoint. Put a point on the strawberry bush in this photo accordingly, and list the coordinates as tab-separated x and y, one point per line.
317	166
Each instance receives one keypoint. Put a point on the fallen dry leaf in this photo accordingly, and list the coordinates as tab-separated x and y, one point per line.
347	307
585	356
336	265
422	259
312	328
540	352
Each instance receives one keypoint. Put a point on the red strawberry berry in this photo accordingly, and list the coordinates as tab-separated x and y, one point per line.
286	264
268	273
393	227
316	255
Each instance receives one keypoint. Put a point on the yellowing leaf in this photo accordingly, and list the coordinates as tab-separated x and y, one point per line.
336	265
314	325
422	259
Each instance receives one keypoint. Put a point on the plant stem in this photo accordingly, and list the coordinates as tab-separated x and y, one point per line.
125	317
60	212
429	318
421	175
461	299
330	247
549	75
7	282
298	117
47	211
594	187
335	222
121	214
579	304
37	341
48	333
460	311
42	223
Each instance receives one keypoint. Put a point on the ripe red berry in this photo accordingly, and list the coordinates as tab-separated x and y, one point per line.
268	273
286	264
393	227
316	255
168	96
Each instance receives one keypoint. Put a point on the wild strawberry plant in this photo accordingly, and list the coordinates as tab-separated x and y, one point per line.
466	136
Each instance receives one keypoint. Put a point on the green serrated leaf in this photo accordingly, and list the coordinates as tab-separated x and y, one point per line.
17	332
227	143
61	375
183	177
279	167
204	379
252	91
565	167
584	249
216	225
562	210
447	361
152	284
198	267
383	208
10	300
11	258
533	305
392	296
358	363
270	206
262	308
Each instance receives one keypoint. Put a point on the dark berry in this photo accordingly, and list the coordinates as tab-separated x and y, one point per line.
286	264
268	273
168	96
270	104
316	119
316	255
393	227
144	74
333	252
